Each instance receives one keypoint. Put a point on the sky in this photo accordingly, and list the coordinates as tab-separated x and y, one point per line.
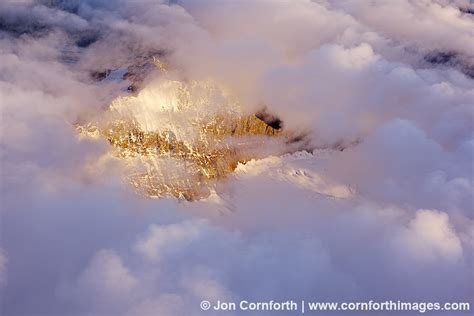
389	217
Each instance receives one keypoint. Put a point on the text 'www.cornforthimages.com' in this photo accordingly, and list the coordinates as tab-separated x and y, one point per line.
308	307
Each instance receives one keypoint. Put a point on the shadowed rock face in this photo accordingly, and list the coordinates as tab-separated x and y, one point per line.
451	59
20	26
271	120
179	147
441	57
467	10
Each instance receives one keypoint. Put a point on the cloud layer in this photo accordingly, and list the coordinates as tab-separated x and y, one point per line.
389	217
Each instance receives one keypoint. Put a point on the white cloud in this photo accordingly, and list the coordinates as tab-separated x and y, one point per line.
106	282
159	241
429	236
389	217
3	269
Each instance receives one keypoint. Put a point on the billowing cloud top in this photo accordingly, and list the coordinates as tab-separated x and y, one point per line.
379	205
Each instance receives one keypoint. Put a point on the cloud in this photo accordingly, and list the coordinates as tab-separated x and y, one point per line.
107	283
381	208
216	265
3	269
425	25
430	237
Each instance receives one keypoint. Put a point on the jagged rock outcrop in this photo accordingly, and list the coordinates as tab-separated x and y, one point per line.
185	156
